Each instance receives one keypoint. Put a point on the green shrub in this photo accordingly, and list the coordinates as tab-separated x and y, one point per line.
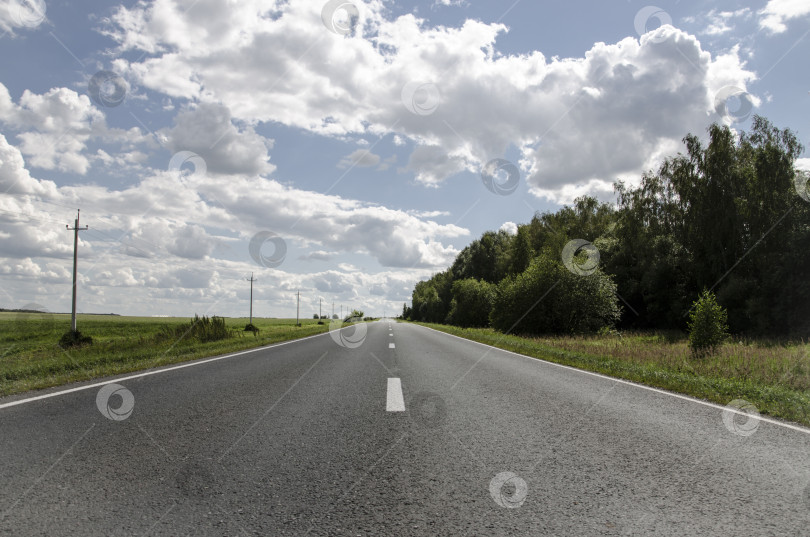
548	298
708	325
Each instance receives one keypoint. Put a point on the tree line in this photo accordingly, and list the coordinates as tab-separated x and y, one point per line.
730	216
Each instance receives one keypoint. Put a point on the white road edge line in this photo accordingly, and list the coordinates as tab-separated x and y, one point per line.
394	402
148	373
629	383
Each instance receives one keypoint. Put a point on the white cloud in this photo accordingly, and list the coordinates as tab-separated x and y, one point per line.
333	282
428	214
716	22
318	255
432	164
653	92
576	121
15	178
54	129
777	13
43	273
362	158
509	227
122	277
22	14
177	216
347	267
186	241
207	130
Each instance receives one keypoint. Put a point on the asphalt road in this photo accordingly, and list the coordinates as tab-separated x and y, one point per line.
313	437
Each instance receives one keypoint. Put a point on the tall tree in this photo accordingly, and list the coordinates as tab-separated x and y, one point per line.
521	251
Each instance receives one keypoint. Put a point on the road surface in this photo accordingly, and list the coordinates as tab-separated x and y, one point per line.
398	431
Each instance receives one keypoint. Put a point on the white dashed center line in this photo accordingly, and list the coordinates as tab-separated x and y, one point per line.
390	345
394	401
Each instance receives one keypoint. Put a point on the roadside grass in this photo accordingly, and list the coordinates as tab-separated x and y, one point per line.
774	376
31	359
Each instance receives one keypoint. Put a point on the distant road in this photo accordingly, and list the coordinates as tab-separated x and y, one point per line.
413	432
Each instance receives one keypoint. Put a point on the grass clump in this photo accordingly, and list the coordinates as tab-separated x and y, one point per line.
203	329
74	338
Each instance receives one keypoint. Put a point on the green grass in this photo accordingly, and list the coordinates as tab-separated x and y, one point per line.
31	359
774	376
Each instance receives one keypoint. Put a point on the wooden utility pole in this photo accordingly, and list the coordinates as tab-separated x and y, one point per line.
75	230
297	307
320	308
251	280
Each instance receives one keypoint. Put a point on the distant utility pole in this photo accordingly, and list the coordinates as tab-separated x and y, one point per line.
333	308
75	230
320	308
341	311
251	280
297	307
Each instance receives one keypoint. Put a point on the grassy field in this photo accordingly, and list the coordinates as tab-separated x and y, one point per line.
31	359
773	376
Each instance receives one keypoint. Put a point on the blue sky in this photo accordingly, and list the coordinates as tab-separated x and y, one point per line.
360	146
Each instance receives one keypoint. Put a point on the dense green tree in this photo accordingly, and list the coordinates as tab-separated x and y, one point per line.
431	298
587	219
426	304
648	262
729	215
484	259
725	216
471	303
